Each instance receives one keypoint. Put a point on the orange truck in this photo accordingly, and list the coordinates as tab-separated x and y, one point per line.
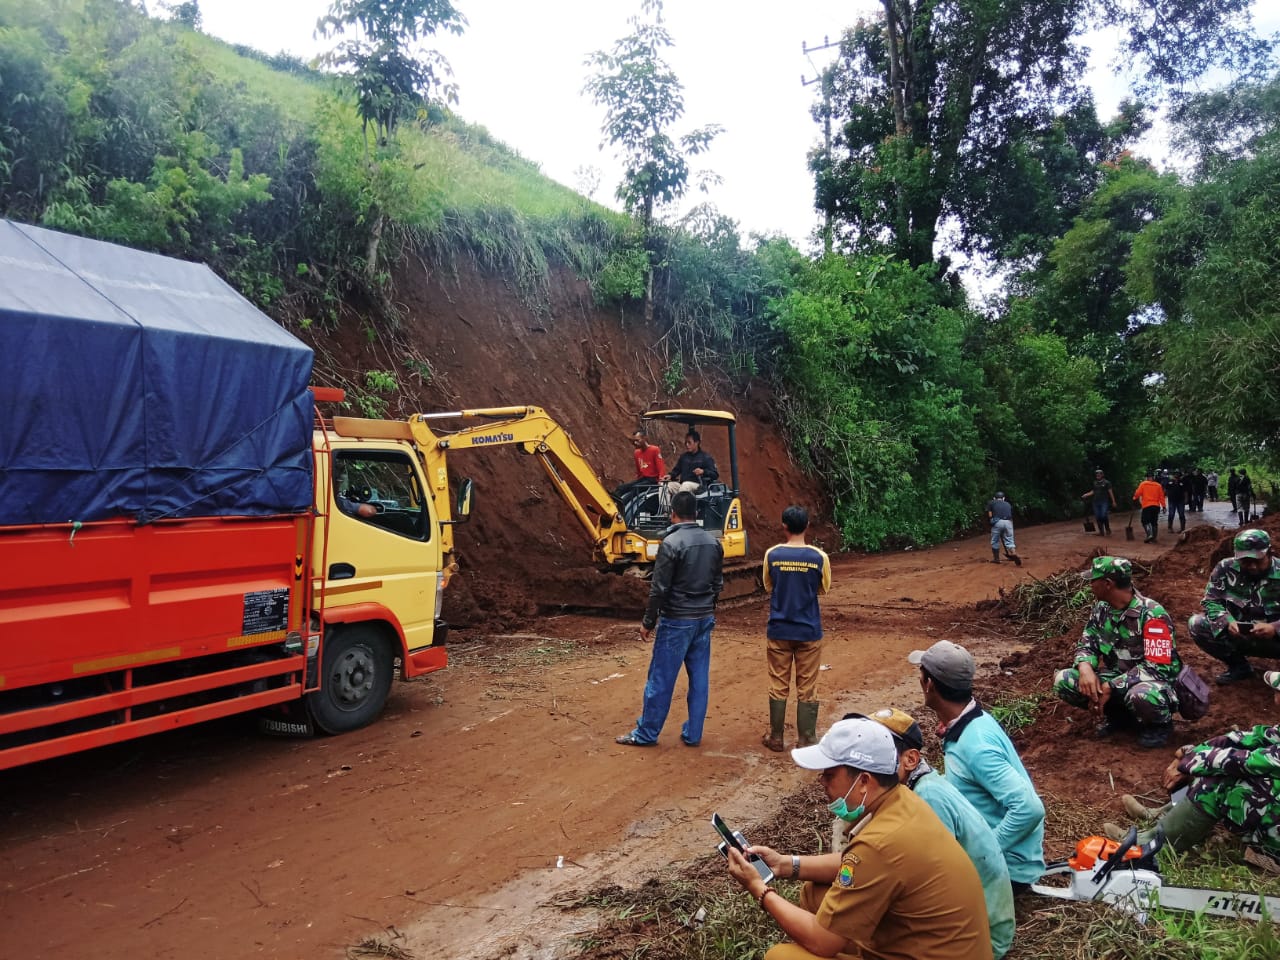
182	537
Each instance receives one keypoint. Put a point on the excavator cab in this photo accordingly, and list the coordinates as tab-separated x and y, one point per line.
719	508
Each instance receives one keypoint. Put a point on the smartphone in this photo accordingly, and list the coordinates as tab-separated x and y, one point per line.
1245	626
732	838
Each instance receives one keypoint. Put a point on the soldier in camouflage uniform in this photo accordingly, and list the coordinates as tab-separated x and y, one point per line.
1242	590
1234	780
1126	660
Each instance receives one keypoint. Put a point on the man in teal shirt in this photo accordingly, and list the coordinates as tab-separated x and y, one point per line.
960	818
981	762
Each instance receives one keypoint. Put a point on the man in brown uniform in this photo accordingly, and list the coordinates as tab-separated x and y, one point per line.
901	889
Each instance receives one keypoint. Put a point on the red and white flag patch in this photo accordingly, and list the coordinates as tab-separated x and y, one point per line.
1157	642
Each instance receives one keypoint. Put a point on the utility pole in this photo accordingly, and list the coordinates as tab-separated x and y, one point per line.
824	77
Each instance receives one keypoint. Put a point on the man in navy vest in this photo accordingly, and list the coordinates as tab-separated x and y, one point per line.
795	573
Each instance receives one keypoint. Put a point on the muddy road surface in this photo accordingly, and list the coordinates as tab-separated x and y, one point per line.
487	792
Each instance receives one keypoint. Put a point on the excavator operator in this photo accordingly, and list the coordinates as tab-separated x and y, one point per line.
695	468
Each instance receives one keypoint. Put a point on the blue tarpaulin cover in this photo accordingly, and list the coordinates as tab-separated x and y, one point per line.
141	386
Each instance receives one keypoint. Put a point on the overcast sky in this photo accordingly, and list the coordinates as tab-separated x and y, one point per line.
519	68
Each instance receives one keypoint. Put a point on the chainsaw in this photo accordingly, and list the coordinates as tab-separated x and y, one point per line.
1124	875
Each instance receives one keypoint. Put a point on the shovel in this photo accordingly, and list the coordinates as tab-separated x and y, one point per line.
1128	531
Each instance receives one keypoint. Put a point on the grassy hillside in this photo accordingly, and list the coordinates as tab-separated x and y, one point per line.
145	132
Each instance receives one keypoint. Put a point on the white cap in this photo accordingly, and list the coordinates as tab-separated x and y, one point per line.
861	743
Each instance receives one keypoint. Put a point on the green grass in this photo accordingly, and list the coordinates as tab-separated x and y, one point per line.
446	189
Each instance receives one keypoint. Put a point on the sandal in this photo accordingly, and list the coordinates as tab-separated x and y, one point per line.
629	740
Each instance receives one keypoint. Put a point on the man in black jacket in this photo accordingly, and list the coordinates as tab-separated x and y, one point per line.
687	578
695	468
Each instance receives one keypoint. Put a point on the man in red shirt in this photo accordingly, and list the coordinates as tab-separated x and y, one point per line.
649	468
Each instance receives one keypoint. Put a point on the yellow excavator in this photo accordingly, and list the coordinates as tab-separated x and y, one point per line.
624	539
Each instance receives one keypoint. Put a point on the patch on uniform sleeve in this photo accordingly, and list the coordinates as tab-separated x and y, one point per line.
1157	641
845	877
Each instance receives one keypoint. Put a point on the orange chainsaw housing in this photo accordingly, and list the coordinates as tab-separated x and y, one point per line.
1092	849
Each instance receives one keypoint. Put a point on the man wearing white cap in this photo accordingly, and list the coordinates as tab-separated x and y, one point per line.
901	888
959	817
981	762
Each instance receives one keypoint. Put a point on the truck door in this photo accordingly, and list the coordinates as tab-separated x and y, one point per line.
383	544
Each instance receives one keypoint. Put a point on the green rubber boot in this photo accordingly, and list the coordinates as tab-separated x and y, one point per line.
1184	825
807	722
777	723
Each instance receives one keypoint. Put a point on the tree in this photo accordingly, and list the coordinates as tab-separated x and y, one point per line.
643	99
932	93
1210	267
389	80
877	398
187	13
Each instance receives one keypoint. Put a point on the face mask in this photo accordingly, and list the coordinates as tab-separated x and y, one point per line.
841	809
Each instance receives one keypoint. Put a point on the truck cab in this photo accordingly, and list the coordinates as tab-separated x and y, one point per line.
379	567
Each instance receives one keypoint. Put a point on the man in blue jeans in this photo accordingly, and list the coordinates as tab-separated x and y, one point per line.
687	578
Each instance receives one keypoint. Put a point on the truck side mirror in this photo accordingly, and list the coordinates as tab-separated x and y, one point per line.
465	490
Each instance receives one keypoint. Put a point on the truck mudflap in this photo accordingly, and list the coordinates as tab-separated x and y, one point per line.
429	659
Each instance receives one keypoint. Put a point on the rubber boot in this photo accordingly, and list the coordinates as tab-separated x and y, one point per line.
777	723
1140	811
995	555
1017	560
807	722
1185	825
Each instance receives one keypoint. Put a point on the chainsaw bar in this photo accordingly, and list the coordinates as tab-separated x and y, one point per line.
1217	903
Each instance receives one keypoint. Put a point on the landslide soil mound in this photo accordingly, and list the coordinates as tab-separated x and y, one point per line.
592	369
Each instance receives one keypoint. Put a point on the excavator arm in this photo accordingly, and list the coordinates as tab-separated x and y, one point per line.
533	432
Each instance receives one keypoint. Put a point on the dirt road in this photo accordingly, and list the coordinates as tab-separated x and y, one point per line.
441	826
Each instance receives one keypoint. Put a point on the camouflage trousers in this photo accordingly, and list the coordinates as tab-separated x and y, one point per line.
1149	701
1248	806
1224	646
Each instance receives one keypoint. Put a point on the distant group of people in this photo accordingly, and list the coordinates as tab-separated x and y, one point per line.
1173	493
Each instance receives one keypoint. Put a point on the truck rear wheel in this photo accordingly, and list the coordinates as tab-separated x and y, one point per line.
355	678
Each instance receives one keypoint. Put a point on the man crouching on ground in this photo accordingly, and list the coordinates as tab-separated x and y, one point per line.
901	887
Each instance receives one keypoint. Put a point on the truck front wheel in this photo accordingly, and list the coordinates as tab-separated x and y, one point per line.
355	679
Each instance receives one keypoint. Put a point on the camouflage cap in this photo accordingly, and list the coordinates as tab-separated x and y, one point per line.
1106	566
1252	543
903	726
1272	679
